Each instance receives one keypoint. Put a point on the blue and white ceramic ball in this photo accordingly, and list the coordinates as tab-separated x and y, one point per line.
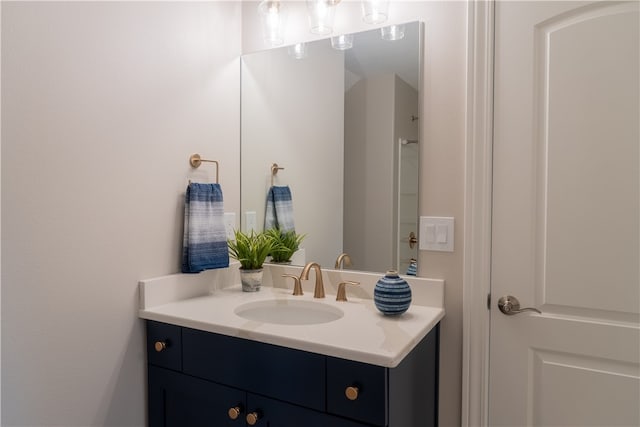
392	294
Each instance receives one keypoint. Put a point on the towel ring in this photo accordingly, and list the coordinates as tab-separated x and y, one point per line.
195	160
274	171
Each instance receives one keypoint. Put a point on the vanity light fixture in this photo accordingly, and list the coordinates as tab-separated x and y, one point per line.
392	32
342	42
273	17
321	14
375	11
298	51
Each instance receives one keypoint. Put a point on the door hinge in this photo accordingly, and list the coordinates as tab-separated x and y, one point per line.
488	301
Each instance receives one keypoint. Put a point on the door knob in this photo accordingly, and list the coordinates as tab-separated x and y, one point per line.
412	240
510	305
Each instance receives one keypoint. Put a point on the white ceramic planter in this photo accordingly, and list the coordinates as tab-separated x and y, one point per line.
251	279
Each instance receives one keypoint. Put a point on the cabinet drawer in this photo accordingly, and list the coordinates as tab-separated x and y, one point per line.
370	403
273	413
291	375
164	345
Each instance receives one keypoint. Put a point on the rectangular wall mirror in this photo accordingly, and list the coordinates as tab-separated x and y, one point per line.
344	126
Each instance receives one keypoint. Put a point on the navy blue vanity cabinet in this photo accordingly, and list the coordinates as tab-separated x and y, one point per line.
404	396
178	400
273	413
286	374
199	378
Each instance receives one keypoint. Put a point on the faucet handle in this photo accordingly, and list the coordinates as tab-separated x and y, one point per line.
297	287
342	293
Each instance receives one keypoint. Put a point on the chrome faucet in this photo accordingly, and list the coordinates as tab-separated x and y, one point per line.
318	292
343	260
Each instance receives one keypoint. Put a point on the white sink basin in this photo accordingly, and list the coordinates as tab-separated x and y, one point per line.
289	312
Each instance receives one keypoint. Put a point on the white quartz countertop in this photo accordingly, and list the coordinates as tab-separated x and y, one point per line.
362	334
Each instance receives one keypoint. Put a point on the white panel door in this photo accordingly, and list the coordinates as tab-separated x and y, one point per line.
566	218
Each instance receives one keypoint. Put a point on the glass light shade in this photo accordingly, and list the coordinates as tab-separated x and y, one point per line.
321	15
273	16
392	32
298	51
375	11
342	42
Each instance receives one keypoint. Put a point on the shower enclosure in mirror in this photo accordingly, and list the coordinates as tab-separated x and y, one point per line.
343	126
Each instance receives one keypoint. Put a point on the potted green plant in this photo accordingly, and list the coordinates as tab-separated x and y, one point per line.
286	243
250	249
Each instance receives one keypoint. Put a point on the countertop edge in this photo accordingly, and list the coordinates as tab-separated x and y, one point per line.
299	344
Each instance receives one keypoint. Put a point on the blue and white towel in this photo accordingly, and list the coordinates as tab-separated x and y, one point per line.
204	245
279	211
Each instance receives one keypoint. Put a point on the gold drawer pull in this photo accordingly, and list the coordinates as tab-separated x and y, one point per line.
252	418
234	412
351	392
160	345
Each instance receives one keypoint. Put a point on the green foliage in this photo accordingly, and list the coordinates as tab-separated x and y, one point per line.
285	244
251	249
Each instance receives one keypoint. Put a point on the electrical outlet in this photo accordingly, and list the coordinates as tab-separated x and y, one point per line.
230	224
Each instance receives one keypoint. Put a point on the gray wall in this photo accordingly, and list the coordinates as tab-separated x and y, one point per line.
102	104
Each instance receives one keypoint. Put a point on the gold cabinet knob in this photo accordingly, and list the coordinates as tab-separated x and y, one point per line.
160	345
351	392
234	412
252	418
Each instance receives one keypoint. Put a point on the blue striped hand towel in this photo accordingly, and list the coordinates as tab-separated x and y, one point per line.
204	245
279	211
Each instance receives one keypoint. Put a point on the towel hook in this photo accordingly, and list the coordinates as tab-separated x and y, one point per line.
274	171
195	160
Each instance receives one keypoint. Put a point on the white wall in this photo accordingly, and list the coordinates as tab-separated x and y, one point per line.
102	104
442	153
369	183
281	125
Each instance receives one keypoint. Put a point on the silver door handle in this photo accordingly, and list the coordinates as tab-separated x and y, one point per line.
510	305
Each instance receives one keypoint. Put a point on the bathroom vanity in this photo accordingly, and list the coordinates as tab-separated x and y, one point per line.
200	378
208	365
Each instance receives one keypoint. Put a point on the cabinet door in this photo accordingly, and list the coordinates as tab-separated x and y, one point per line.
282	373
370	402
273	413
178	400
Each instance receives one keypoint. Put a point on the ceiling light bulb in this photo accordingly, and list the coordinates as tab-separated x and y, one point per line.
298	51
273	17
375	11
392	32
321	14
342	42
